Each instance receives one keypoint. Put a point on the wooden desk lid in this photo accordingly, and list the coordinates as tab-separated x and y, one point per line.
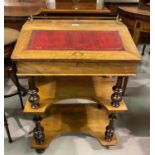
72	40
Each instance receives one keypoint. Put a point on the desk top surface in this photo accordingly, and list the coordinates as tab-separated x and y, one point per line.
23	7
71	40
135	10
36	7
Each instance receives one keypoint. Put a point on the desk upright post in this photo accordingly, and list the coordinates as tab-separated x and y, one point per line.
110	128
34	97
116	97
38	133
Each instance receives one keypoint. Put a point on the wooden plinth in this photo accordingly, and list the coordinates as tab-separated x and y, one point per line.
61	119
54	89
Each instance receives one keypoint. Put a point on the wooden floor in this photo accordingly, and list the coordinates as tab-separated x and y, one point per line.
85	118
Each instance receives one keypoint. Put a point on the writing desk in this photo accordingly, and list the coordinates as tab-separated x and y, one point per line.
66	59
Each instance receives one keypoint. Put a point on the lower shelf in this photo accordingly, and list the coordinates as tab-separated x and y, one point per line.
85	118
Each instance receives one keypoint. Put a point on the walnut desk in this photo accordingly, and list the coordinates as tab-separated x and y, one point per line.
66	59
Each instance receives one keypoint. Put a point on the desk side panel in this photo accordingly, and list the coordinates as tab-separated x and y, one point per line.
120	68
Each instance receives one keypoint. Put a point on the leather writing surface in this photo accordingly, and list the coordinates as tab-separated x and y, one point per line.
75	40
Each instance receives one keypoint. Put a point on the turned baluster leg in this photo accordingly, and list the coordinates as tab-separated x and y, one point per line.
38	131
126	78
34	97
110	128
116	97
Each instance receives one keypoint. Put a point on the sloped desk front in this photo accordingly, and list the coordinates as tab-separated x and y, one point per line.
70	59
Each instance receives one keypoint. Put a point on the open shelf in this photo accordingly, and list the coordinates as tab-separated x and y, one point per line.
67	118
53	89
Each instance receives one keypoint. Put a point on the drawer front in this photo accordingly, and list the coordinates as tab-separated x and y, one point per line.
76	68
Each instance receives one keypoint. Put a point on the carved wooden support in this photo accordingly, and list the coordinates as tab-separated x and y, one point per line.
116	97
38	131
110	128
125	82
34	97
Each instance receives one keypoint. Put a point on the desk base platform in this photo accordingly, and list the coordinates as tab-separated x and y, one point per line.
68	118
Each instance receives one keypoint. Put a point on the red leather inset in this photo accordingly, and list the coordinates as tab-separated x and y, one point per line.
75	40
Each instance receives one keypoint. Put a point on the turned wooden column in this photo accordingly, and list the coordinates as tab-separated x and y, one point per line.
33	92
38	131
110	128
116	97
124	85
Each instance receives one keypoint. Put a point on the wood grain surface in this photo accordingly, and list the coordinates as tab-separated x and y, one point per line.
75	62
62	119
22	53
135	10
138	21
